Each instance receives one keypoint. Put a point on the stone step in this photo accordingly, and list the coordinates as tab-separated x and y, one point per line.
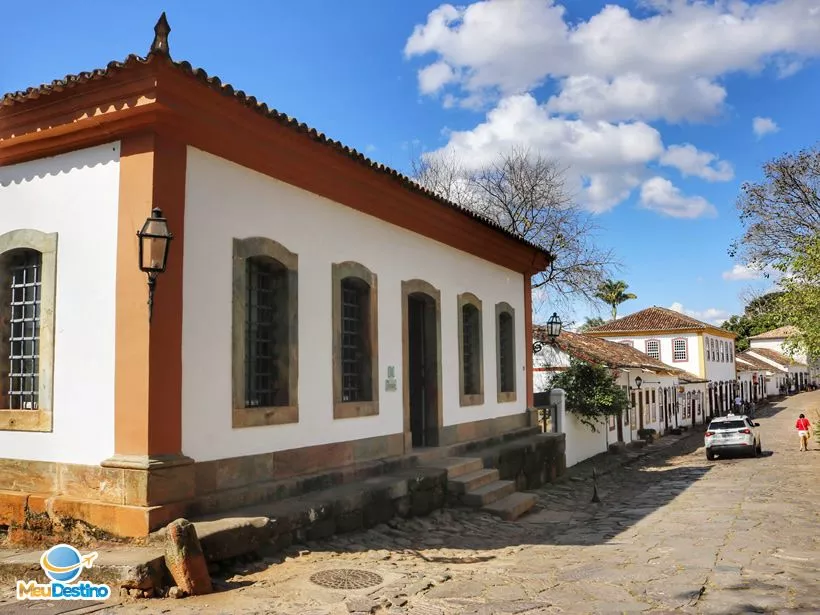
472	481
457	466
489	493
513	506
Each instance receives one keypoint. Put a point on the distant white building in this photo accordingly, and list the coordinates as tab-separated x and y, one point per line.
682	342
662	397
803	369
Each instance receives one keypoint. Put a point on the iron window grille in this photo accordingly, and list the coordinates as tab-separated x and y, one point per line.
25	280
471	338
506	358
266	344
355	364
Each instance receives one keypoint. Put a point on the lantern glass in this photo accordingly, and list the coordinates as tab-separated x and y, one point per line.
638	382
154	240
554	326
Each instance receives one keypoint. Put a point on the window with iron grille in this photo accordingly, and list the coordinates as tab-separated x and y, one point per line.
471	349
653	349
679	350
23	289
355	362
506	359
266	334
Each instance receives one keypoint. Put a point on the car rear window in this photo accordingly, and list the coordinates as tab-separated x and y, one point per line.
727	425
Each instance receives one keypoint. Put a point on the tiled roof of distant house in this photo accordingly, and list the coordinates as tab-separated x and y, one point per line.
776	334
775	356
652	319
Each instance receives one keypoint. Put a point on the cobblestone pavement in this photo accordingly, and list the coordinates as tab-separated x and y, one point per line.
673	533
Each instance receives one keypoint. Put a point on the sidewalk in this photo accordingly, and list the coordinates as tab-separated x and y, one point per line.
605	463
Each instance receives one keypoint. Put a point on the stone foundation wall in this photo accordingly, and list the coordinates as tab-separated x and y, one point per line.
39	497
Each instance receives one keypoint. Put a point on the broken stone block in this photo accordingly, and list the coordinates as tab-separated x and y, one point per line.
185	560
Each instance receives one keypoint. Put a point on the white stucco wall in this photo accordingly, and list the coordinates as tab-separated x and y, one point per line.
692	364
225	201
76	196
720	371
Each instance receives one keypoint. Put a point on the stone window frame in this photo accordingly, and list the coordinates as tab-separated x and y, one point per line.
475	399
243	416
505	396
408	288
339	272
42	419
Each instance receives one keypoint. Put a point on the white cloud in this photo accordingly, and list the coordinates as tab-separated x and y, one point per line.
606	161
510	46
692	162
613	73
762	126
433	77
634	97
742	272
660	195
713	316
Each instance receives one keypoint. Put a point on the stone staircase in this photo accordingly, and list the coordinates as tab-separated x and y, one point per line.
470	484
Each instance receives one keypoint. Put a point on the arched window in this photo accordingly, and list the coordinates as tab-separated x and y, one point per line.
505	351
265	330
471	350
28	261
355	341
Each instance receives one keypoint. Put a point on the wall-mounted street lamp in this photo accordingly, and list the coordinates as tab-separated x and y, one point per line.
553	329
155	239
638	382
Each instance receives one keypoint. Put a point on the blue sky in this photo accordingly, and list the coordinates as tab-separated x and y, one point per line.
629	91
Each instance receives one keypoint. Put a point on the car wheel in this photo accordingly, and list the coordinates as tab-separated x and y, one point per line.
755	451
759	448
710	455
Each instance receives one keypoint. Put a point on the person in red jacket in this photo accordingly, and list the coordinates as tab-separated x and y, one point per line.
803	431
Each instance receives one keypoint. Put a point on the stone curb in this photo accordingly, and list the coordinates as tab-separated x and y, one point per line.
609	462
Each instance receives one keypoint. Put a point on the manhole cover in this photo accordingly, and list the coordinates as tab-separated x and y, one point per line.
346	578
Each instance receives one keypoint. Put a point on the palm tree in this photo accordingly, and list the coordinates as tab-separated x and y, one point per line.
614	293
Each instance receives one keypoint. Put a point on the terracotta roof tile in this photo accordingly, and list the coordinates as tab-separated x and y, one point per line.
776	334
775	356
603	352
72	81
753	363
652	319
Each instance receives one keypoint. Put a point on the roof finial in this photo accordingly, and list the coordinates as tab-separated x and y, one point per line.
161	31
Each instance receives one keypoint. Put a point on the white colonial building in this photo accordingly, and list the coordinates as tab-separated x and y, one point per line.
770	347
318	310
683	342
661	397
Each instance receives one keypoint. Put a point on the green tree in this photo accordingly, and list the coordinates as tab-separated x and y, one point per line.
800	302
592	392
613	293
762	314
590	322
781	220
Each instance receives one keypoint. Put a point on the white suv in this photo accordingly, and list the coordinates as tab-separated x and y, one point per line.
732	433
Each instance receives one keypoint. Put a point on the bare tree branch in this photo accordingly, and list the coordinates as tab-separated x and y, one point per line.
526	194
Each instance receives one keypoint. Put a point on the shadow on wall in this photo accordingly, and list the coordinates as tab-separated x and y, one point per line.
64	164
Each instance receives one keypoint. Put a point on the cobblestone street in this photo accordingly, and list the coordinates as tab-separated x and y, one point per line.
673	532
